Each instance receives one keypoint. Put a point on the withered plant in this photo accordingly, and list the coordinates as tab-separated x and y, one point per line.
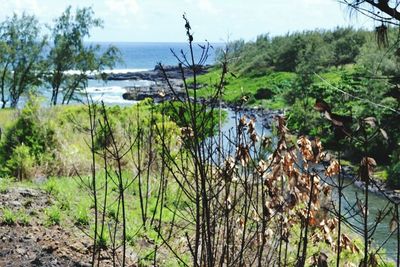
246	207
356	216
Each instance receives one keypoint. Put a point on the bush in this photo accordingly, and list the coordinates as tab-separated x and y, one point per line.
28	142
21	163
305	120
179	113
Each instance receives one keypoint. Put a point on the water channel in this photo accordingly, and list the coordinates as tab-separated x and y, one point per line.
376	201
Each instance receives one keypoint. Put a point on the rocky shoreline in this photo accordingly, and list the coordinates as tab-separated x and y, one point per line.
159	90
156	75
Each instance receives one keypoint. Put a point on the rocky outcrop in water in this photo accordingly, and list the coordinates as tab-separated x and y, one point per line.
158	92
161	90
157	75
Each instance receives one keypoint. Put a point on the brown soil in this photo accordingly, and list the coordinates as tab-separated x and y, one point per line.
37	244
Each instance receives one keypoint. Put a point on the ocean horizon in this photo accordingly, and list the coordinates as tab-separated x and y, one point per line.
137	56
146	55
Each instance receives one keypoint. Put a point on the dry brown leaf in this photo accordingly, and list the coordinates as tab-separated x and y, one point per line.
333	169
384	133
393	224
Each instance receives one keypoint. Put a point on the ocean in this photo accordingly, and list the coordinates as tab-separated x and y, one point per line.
139	57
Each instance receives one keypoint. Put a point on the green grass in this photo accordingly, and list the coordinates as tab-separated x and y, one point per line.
9	217
53	214
236	87
12	217
279	83
81	210
23	218
82	216
140	240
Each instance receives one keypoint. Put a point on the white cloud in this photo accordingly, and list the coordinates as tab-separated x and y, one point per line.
20	6
207	6
123	8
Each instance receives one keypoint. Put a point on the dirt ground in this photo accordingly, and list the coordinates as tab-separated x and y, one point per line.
37	244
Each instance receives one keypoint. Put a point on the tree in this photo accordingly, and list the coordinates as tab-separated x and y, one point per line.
381	10
21	50
68	52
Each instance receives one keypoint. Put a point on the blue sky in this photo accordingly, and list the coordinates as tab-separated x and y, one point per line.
214	20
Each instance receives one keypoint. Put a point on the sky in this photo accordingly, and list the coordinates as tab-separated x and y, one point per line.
212	20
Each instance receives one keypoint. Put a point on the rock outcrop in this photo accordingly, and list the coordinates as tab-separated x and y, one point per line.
158	92
161	90
157	75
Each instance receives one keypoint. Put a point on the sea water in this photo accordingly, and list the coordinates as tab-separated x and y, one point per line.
140	57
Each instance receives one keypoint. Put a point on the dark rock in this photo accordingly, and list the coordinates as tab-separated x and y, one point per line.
263	93
172	72
155	93
81	264
36	262
49	248
26	192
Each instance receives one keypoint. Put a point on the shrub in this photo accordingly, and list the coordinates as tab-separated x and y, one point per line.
28	142
21	163
180	114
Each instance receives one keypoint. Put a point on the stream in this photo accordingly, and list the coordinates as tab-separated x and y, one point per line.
376	201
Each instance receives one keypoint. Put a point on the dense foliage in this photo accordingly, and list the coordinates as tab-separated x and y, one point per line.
346	68
286	53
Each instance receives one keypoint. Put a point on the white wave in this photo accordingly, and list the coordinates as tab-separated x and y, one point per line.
111	99
105	90
113	71
123	71
141	83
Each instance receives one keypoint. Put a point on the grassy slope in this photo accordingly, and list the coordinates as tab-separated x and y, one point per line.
73	203
278	82
237	87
